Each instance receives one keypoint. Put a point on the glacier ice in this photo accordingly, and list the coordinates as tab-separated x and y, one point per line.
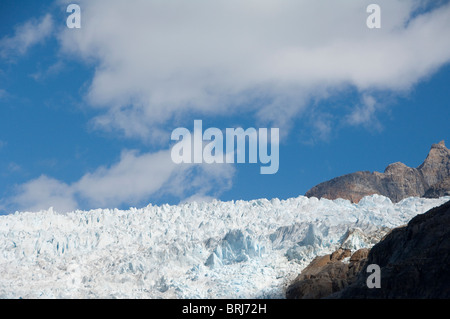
236	249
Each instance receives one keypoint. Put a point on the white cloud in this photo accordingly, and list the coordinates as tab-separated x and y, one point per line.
198	199
322	125
364	114
132	180
13	167
52	70
42	193
158	61
27	35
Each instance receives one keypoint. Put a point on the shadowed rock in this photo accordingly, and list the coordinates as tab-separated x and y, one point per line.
327	274
413	260
439	189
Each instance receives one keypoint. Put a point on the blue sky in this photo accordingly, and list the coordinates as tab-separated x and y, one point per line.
86	114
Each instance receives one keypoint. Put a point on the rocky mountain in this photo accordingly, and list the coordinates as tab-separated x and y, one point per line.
439	189
327	274
398	181
413	261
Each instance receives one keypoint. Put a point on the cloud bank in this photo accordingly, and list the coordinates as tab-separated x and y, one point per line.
158	62
134	178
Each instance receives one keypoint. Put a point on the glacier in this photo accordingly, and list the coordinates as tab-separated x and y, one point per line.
236	249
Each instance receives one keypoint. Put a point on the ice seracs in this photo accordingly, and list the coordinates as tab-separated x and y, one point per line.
236	249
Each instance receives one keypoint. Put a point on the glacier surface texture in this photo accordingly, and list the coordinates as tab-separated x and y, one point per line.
237	249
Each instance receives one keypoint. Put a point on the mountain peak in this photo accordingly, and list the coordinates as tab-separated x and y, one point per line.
397	182
439	145
436	166
438	150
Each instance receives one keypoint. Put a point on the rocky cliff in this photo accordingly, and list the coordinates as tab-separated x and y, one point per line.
413	260
398	181
439	189
327	274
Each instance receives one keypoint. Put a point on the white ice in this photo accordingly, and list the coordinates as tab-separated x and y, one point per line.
237	249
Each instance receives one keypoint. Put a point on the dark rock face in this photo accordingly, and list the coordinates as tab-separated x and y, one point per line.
439	189
327	274
397	182
414	261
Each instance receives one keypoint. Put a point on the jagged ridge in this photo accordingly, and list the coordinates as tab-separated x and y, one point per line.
397	182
